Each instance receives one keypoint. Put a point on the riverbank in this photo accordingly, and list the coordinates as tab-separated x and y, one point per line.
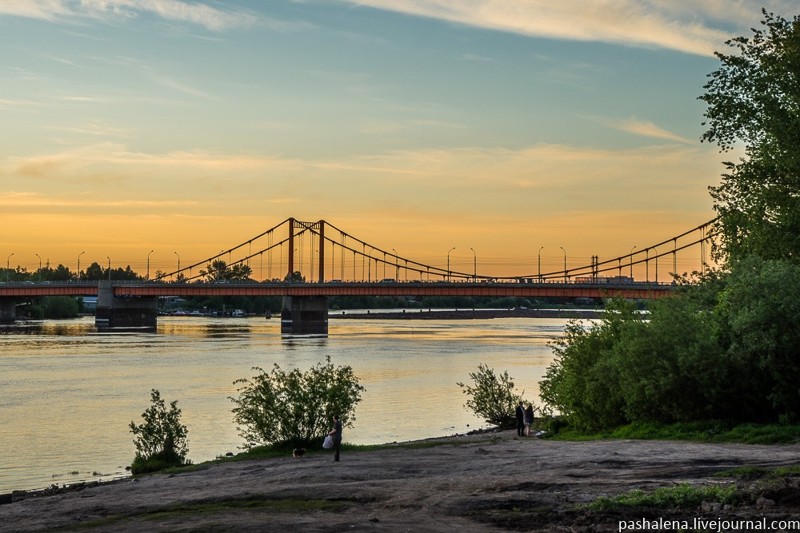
467	314
481	482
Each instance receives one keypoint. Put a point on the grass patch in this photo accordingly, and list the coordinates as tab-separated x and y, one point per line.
757	472
708	431
683	496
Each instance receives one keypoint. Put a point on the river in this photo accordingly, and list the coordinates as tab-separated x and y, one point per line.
68	394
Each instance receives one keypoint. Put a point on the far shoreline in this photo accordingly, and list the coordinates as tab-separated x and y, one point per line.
466	314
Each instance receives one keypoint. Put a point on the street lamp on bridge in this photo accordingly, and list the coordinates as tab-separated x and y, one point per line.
474	265
40	266
448	262
179	260
79	265
539	261
565	263
631	261
148	265
8	265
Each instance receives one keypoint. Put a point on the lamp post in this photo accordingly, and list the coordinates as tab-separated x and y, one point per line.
8	265
109	268
631	260
148	265
565	263
179	260
40	266
474	266
448	262
79	265
539	261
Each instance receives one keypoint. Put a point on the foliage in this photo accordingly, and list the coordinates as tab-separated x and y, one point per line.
724	349
295	407
760	305
683	496
161	441
60	307
581	383
295	277
754	99
219	270
492	396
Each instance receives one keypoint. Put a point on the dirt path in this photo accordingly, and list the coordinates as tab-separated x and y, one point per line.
486	482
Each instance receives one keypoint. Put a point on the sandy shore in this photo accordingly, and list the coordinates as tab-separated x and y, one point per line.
484	482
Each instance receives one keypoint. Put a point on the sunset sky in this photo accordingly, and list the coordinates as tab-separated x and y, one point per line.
188	126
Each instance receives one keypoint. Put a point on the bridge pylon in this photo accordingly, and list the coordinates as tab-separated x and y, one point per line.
116	313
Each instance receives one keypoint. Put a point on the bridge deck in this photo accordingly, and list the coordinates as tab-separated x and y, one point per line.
524	290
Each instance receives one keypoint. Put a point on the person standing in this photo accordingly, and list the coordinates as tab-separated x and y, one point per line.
336	433
520	414
528	419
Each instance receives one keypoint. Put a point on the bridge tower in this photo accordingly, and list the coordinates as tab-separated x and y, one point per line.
305	315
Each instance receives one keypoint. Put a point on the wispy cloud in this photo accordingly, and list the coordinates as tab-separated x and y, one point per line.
690	27
648	129
210	17
643	128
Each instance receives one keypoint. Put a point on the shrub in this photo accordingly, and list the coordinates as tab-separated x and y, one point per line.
492	397
295	407
161	441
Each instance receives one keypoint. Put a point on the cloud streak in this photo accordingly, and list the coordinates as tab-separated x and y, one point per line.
690	27
211	18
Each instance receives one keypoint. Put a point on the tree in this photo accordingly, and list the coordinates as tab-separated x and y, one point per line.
582	382
754	99
492	396
161	441
295	408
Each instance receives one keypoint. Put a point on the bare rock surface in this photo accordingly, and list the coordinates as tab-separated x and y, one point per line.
482	482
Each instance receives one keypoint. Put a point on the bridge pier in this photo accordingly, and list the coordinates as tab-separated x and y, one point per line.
8	310
135	312
304	315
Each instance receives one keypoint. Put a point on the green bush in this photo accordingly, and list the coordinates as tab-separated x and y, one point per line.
161	441
295	407
492	397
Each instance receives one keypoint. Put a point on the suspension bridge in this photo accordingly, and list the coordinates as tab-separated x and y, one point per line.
340	264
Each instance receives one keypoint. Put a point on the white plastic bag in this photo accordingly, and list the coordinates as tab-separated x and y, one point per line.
328	442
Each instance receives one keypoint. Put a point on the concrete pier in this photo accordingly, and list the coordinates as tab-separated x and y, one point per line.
8	310
119	313
304	315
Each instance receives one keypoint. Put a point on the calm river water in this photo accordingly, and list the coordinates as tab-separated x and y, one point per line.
68	394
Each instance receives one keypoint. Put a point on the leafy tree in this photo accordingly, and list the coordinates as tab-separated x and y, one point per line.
95	272
754	99
60	307
492	396
161	441
582	382
295	407
295	277
760	304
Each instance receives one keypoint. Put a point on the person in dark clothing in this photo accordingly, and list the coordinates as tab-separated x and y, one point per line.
528	419
336	433
520	413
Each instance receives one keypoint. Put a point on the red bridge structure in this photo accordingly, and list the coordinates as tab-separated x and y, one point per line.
342	265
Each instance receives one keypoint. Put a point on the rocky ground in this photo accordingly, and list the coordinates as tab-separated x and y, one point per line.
483	482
